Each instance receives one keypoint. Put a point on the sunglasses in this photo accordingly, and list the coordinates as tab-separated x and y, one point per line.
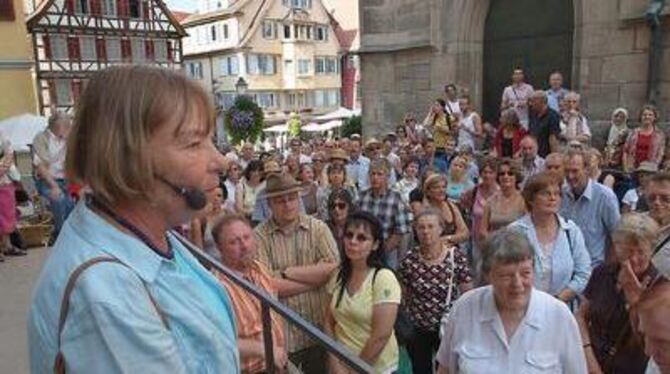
340	206
665	199
359	237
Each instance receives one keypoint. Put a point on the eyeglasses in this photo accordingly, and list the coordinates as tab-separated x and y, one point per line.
340	206
662	198
508	173
359	237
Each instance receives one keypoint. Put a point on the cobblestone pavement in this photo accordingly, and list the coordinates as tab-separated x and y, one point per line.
17	276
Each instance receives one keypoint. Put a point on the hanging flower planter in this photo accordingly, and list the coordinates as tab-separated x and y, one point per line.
244	121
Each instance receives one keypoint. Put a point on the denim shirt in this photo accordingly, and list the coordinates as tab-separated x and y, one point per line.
570	261
112	326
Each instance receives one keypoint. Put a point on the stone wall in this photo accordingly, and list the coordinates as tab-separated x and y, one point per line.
411	48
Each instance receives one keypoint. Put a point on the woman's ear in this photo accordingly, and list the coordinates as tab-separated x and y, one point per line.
375	245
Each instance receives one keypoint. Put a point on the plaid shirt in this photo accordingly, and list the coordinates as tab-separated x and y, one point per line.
389	208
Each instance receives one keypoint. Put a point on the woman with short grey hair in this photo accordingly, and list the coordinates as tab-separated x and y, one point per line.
508	326
603	318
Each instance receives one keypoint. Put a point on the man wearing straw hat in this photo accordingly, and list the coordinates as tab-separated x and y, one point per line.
262	210
301	252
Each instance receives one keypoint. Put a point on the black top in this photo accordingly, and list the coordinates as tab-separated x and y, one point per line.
507	147
541	127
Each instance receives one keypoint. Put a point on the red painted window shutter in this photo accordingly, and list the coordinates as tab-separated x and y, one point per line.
122	8
145	9
7	10
69	6
149	50
126	50
101	49
47	46
170	51
73	48
76	89
96	9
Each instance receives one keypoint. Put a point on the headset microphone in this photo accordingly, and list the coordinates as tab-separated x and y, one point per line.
195	198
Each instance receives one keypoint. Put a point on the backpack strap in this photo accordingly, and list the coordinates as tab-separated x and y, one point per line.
59	363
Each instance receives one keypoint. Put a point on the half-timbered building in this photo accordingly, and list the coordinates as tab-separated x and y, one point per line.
74	38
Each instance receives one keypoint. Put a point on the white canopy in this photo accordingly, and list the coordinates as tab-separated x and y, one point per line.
277	128
338	114
312	127
331	124
20	130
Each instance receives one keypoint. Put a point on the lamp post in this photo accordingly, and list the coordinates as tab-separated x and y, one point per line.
241	86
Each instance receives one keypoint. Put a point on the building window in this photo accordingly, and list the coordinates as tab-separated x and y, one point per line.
258	64
58	47
229	65
297	3
7	10
287	31
225	31
88	48
212	31
160	49
81	6
302	32
134	8
326	65
303	67
269	30
194	70
326	98
138	52
265	99
113	49
322	33
225	99
63	92
109	7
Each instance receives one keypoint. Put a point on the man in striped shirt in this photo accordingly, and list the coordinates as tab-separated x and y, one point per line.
301	252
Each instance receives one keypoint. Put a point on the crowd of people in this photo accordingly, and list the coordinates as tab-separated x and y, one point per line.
449	245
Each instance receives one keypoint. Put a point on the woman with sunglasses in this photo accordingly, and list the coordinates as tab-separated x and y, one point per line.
364	298
507	205
340	204
603	318
337	180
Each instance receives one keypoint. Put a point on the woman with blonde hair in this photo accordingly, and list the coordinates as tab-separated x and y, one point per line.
455	230
119	292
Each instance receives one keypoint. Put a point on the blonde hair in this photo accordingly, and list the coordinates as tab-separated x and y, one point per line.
635	228
120	110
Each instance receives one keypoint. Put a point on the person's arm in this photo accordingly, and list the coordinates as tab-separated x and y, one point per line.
462	233
478	128
288	288
383	320
554	144
582	266
569	344
504	101
250	348
239	199
195	233
313	275
582	317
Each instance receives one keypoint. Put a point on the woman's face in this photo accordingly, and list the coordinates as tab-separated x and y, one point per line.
572	103
292	163
339	211
400	131
506	177
234	173
464	104
512	284
215	198
547	200
437	191
358	242
307	175
412	170
437	108
189	159
255	176
458	167
336	177
488	176
428	230
619	118
648	117
636	252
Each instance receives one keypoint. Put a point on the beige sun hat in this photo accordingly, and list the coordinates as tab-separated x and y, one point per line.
279	185
338	154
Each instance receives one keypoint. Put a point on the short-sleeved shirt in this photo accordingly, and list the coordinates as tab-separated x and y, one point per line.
389	208
353	314
248	312
427	286
309	243
546	340
49	149
542	127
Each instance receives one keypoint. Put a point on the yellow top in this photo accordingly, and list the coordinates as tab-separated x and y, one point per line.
353	316
442	131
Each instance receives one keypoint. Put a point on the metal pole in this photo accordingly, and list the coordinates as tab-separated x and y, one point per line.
267	338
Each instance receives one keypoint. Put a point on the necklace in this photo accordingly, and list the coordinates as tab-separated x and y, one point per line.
95	203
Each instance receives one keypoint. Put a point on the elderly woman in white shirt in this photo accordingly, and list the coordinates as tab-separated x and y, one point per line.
509	326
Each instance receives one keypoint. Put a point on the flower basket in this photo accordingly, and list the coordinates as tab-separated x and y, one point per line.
36	230
244	121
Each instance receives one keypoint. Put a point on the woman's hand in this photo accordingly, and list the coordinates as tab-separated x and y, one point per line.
280	358
631	286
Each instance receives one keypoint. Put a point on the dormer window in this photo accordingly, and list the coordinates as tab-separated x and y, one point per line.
300	4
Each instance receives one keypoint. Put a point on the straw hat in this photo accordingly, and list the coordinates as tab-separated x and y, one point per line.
372	142
271	166
281	184
647	167
338	154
